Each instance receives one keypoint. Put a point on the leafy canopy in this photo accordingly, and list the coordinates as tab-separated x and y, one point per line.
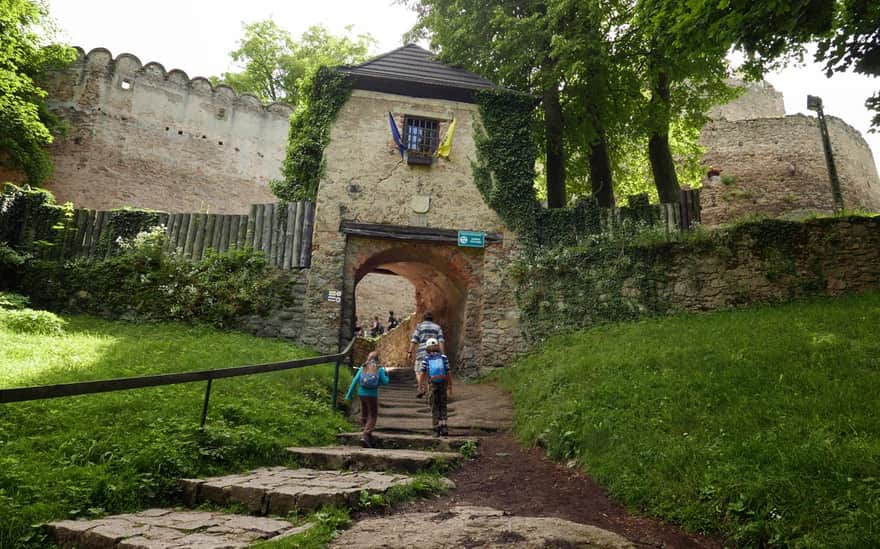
26	55
276	67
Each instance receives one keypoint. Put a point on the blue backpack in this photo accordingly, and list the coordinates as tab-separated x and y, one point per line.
369	380
436	369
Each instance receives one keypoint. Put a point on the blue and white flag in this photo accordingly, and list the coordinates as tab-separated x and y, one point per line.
395	133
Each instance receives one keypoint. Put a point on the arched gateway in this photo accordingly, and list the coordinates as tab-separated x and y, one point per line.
396	207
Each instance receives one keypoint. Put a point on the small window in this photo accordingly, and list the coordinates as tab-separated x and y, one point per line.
421	137
126	84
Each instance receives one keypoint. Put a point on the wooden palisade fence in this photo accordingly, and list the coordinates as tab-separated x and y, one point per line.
568	225
283	232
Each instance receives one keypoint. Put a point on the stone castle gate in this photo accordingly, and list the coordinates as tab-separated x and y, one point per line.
380	210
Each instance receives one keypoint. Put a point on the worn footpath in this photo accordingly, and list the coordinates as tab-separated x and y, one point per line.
506	496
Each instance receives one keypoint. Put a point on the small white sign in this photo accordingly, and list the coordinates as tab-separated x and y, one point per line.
334	296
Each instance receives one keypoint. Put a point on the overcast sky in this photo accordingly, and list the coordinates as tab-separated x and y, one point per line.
197	36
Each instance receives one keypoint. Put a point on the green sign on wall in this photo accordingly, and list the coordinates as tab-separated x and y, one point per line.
472	239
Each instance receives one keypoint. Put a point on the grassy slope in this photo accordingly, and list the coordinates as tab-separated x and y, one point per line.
112	452
759	424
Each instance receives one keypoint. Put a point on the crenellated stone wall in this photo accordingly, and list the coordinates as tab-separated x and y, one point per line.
144	136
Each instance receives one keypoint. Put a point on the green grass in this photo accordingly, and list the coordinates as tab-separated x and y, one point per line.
762	425
115	452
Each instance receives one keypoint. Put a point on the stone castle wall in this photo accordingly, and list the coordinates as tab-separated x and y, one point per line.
776	166
379	293
143	136
772	261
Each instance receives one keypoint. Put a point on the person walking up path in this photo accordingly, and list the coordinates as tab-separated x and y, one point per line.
435	372
368	379
425	330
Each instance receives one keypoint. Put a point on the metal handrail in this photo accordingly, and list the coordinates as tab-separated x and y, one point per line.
43	392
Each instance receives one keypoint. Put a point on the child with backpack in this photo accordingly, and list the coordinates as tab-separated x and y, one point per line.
367	379
435	372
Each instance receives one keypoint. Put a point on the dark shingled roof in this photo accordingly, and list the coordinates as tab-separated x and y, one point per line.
414	71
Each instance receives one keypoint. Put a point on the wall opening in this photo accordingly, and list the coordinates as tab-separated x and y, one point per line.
379	293
440	276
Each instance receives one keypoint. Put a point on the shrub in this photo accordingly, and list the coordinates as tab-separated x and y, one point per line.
9	300
29	321
146	282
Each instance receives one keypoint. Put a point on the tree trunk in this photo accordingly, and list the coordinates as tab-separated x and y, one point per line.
662	164
555	150
600	172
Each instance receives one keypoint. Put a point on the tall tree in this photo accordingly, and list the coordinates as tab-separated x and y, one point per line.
684	72
855	44
510	43
275	66
26	125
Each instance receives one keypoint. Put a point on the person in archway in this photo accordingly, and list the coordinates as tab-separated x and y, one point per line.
376	330
425	330
392	321
435	369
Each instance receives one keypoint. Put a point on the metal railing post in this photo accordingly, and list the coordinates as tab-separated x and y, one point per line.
335	384
205	405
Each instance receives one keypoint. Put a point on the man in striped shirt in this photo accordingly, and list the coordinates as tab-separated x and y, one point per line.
424	331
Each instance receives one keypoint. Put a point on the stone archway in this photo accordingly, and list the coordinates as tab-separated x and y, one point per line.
444	276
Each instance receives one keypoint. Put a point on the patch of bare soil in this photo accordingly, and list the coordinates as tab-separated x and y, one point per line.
524	482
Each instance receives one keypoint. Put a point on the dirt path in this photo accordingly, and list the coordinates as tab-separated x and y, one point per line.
524	482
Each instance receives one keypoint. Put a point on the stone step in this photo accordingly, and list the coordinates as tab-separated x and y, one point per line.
403	441
472	526
170	529
279	490
376	459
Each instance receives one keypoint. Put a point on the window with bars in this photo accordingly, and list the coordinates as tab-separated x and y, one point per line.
421	137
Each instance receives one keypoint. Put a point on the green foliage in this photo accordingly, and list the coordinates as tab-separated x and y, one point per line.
146	282
28	321
310	129
505	165
126	223
278	68
759	425
122	452
11	263
11	301
26	125
469	450
29	216
855	44
327	523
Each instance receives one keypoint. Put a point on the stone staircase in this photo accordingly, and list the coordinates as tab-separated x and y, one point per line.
334	475
338	475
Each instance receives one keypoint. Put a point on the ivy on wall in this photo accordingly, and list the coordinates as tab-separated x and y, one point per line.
628	276
29	216
504	170
310	129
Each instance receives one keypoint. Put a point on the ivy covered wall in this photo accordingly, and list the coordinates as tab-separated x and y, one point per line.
607	280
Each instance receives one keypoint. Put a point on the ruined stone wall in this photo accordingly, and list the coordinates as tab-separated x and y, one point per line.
758	100
146	137
392	346
776	166
770	261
